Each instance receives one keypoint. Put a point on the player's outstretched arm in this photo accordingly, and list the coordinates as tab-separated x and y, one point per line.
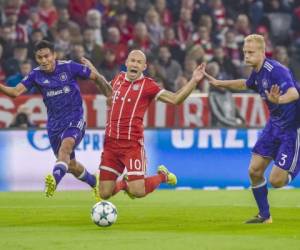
275	95
99	79
13	91
180	95
239	84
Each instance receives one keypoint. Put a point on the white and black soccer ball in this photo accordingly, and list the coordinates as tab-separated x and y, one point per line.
104	214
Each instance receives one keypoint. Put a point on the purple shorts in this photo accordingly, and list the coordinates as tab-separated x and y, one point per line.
76	132
280	145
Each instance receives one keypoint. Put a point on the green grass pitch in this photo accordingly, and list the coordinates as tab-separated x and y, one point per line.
165	220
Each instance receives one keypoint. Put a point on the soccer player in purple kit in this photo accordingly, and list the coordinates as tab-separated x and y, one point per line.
280	139
56	81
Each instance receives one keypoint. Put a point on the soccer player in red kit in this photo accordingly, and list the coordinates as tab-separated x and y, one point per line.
132	94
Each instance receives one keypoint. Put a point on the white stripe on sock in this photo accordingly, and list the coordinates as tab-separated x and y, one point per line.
82	174
62	163
260	185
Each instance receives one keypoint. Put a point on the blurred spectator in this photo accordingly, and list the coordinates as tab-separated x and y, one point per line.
22	118
19	31
12	65
65	21
262	30
181	81
153	72
109	68
124	26
140	38
63	39
2	72
276	6
281	55
206	21
133	15
93	51
19	7
61	4
227	68
35	22
106	9
77	52
231	47
242	27
164	12
185	27
78	10
36	36
25	68
203	37
7	40
114	43
196	53
48	12
218	13
93	21
295	22
168	69
224	112
60	53
189	66
155	29
172	42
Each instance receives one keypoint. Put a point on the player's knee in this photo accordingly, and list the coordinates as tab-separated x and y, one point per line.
105	194
255	173
277	182
137	192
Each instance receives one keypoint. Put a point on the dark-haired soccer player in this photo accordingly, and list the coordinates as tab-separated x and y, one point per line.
280	139
56	81
132	94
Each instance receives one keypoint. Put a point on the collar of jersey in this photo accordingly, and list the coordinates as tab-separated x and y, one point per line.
140	78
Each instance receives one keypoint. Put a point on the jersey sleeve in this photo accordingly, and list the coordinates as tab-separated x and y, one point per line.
250	82
283	78
153	90
80	70
28	81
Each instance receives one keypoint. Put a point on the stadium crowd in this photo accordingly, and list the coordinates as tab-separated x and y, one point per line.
176	35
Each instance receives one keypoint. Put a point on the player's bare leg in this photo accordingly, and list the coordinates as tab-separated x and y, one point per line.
257	169
279	177
106	188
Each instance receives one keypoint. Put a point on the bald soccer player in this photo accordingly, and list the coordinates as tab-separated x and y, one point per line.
132	94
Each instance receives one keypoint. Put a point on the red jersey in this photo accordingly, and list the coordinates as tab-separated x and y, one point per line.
127	107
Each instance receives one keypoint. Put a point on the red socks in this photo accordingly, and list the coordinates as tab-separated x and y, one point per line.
120	185
152	182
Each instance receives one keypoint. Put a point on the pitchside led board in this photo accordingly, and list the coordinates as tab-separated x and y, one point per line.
199	157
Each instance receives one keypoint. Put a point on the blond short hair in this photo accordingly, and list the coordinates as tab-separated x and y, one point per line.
259	39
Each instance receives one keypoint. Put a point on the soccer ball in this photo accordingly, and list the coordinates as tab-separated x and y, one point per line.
104	214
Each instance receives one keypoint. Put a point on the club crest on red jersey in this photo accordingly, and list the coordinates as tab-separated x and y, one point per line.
136	87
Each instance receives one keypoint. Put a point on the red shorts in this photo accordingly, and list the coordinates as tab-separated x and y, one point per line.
119	155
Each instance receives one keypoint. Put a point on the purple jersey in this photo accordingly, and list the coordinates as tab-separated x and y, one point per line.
272	72
61	93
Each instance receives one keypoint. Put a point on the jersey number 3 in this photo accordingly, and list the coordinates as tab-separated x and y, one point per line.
282	159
